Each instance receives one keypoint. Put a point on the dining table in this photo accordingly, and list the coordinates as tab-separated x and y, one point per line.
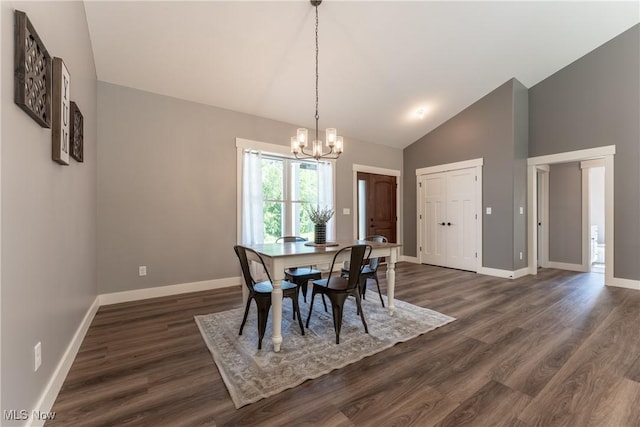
280	256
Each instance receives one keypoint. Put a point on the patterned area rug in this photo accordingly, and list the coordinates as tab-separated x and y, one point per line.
251	374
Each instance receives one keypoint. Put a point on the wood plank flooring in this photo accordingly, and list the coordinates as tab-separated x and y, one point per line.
557	349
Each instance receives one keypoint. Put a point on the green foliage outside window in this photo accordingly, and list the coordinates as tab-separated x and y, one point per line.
304	192
272	177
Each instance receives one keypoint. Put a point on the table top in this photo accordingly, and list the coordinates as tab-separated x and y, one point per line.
275	250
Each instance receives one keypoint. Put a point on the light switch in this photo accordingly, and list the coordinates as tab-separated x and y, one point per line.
521	210
488	211
346	211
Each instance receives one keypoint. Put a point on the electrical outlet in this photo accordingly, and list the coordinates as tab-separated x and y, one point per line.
520	255
346	211
37	356
488	211
521	210
142	270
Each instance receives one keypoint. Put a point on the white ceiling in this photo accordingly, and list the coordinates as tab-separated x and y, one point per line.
379	61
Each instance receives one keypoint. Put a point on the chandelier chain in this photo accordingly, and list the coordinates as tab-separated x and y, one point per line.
317	115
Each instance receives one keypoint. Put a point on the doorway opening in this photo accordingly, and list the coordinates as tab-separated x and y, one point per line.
600	157
593	174
375	202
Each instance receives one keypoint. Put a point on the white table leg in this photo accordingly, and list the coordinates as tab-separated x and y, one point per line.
391	280
276	306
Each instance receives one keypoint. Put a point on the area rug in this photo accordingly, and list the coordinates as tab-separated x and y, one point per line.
251	374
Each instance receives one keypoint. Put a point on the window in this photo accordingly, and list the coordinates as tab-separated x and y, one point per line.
276	190
288	187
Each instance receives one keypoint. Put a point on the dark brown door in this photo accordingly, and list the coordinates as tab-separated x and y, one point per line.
380	204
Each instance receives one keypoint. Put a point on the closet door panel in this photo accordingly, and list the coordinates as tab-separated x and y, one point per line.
433	212
461	229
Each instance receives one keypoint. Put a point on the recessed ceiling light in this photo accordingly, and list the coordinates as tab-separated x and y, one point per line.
420	112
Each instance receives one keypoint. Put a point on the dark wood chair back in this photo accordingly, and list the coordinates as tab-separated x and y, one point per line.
241	252
356	262
373	262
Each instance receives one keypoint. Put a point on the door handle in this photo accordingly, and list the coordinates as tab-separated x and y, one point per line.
448	223
442	223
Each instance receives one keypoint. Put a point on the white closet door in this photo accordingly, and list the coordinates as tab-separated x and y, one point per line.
461	219
433	232
448	224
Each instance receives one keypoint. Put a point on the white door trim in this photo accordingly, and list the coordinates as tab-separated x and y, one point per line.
573	156
607	153
544	198
465	164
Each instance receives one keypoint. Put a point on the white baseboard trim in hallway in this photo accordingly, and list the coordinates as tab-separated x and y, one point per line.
48	397
521	273
624	283
567	266
505	274
163	291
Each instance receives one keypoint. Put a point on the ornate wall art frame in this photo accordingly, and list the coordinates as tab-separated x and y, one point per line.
61	112
77	133
32	71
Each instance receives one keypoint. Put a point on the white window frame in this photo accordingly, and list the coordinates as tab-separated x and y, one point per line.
278	151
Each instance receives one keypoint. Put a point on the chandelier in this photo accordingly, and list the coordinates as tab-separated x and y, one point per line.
300	142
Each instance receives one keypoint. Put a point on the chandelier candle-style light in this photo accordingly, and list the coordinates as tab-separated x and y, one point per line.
300	141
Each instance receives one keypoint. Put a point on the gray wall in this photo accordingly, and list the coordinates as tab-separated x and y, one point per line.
565	213
48	211
485	129
595	102
520	154
167	186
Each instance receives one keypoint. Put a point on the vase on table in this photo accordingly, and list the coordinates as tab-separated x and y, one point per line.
320	234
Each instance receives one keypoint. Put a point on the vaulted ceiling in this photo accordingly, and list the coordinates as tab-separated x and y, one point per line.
379	60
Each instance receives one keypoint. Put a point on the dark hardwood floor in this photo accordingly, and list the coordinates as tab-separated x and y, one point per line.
558	349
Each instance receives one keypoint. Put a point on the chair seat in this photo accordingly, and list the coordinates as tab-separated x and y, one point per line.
335	283
365	270
266	287
301	271
367	273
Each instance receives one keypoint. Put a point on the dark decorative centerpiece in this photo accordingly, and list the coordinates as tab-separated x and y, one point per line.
320	217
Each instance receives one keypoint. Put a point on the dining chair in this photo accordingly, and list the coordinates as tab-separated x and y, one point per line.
369	271
337	289
260	292
299	275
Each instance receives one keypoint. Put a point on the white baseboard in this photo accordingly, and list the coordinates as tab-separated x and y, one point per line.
48	397
407	258
624	283
163	291
505	274
567	266
521	273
